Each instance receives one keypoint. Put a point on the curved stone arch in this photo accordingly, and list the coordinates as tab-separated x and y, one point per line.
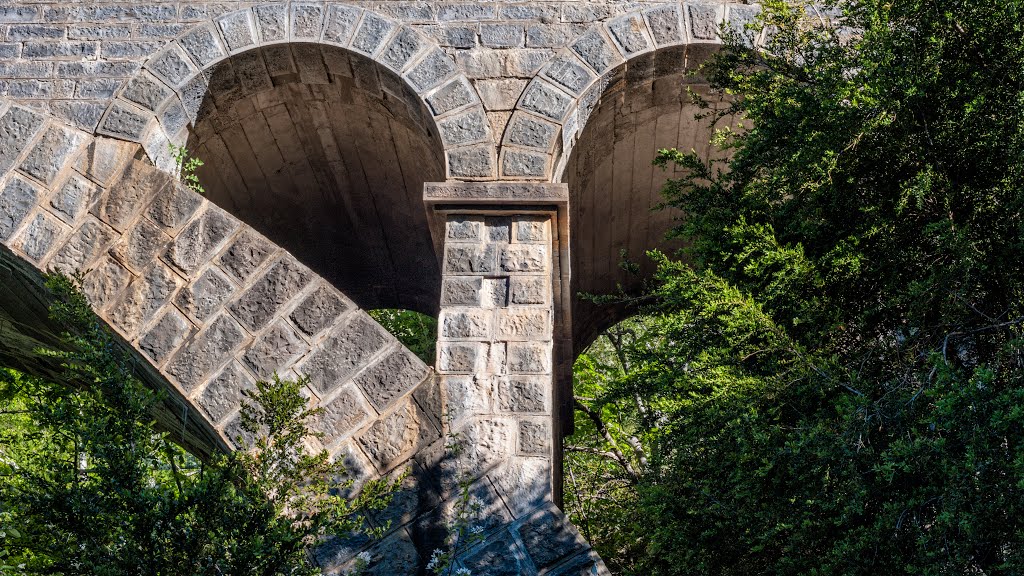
155	106
555	106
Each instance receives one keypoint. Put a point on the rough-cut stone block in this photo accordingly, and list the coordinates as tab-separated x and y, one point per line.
205	295
529	358
531	229
17	127
391	377
568	73
500	557
464	228
500	94
173	206
630	31
200	239
16	201
523	323
458	357
548	538
455	94
400	51
167	333
237	30
466	396
523	164
471	323
465	11
73	198
470	259
596	51
666	24
277	286
306	21
431	71
524	483
318	310
202	43
465	128
104	282
272	20
105	158
273	351
494	293
50	154
534	437
144	296
342	416
523	393
530	131
371	34
126	198
125	121
206	352
341	23
471	162
546	100
245	255
502	35
586	564
704	21
252	73
141	243
83	247
172	66
458	291
396	435
224	392
146	91
529	290
39	236
522	258
349	346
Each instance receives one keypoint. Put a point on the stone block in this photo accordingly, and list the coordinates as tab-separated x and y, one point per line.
666	23
466	396
16	13
502	35
85	244
455	94
400	51
141	244
200	239
205	295
143	297
534	437
548	537
40	236
494	293
395	555
252	72
586	564
395	436
465	128
279	284
341	416
372	32
224	392
529	358
465	323
318	310
279	59
84	115
597	51
309	60
58	50
105	158
245	254
272	21
569	73
125	121
531	229
273	351
173	206
523	164
306	21
704	21
528	394
146	91
206	352
341	23
458	358
630	32
470	259
350	346
102	88
172	66
51	153
431	71
464	228
17	127
466	11
391	377
550	35
460	291
524	323
524	483
524	258
34	32
499	557
165	336
104	282
500	94
471	162
16	200
237	29
203	44
498	229
546	100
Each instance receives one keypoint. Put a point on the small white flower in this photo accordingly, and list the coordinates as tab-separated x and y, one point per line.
364	556
463	572
435	558
477	529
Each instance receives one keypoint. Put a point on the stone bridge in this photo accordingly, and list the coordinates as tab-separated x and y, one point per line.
485	162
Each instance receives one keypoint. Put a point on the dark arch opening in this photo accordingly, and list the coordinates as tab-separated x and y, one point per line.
645	105
325	152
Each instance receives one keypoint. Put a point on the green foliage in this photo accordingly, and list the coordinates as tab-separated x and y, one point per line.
418	332
186	165
88	486
834	384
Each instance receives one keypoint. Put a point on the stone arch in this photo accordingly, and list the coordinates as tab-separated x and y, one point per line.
594	117
155	106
